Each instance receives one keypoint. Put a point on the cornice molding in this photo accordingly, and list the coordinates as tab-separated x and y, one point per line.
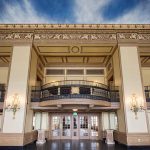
75	26
68	32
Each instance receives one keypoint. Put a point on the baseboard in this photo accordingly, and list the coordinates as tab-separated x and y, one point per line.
17	139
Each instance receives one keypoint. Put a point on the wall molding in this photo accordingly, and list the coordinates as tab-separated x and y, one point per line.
17	139
132	139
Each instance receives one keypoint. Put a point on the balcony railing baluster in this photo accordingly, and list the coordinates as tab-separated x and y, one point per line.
87	90
2	92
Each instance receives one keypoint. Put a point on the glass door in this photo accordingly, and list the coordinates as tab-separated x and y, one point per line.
94	133
75	126
55	128
84	126
66	127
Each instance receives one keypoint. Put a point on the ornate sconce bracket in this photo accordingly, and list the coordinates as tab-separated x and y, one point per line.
14	106
135	106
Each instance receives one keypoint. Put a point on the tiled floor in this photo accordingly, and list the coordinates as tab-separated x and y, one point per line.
75	145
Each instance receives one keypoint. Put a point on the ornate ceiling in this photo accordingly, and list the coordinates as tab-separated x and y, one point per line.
74	45
89	55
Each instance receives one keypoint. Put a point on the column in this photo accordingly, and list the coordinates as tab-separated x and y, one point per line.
18	80
132	130
13	130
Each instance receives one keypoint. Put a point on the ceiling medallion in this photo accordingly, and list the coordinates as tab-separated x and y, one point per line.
75	49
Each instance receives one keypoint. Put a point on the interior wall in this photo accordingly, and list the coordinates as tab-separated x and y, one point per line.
117	82
32	82
3	75
94	78
49	79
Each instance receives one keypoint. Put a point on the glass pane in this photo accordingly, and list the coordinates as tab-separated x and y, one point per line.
83	125
74	122
56	126
66	122
94	126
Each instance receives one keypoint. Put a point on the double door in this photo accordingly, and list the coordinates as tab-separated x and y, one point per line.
69	126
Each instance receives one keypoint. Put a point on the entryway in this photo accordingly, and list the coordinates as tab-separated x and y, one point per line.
74	126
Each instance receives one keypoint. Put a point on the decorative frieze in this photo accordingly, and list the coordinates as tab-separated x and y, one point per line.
127	36
91	37
16	36
102	37
144	37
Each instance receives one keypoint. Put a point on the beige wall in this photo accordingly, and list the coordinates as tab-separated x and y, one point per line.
100	79
146	76
32	82
49	79
117	82
3	75
94	78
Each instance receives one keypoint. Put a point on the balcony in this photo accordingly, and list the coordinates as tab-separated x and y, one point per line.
73	89
2	92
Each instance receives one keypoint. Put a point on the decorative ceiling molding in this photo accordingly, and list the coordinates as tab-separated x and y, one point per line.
102	37
75	26
82	37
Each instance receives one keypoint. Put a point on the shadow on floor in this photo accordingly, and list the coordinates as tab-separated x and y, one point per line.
74	145
82	145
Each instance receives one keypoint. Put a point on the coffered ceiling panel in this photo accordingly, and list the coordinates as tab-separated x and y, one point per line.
96	60
88	55
145	55
96	49
48	50
5	50
53	59
4	60
75	59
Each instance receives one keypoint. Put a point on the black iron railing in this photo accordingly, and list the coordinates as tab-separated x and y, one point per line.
74	89
147	93
2	92
114	94
62	90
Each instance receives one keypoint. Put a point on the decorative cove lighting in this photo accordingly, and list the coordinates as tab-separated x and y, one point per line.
14	106
136	105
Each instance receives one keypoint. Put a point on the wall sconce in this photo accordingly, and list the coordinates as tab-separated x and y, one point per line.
136	106
14	105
